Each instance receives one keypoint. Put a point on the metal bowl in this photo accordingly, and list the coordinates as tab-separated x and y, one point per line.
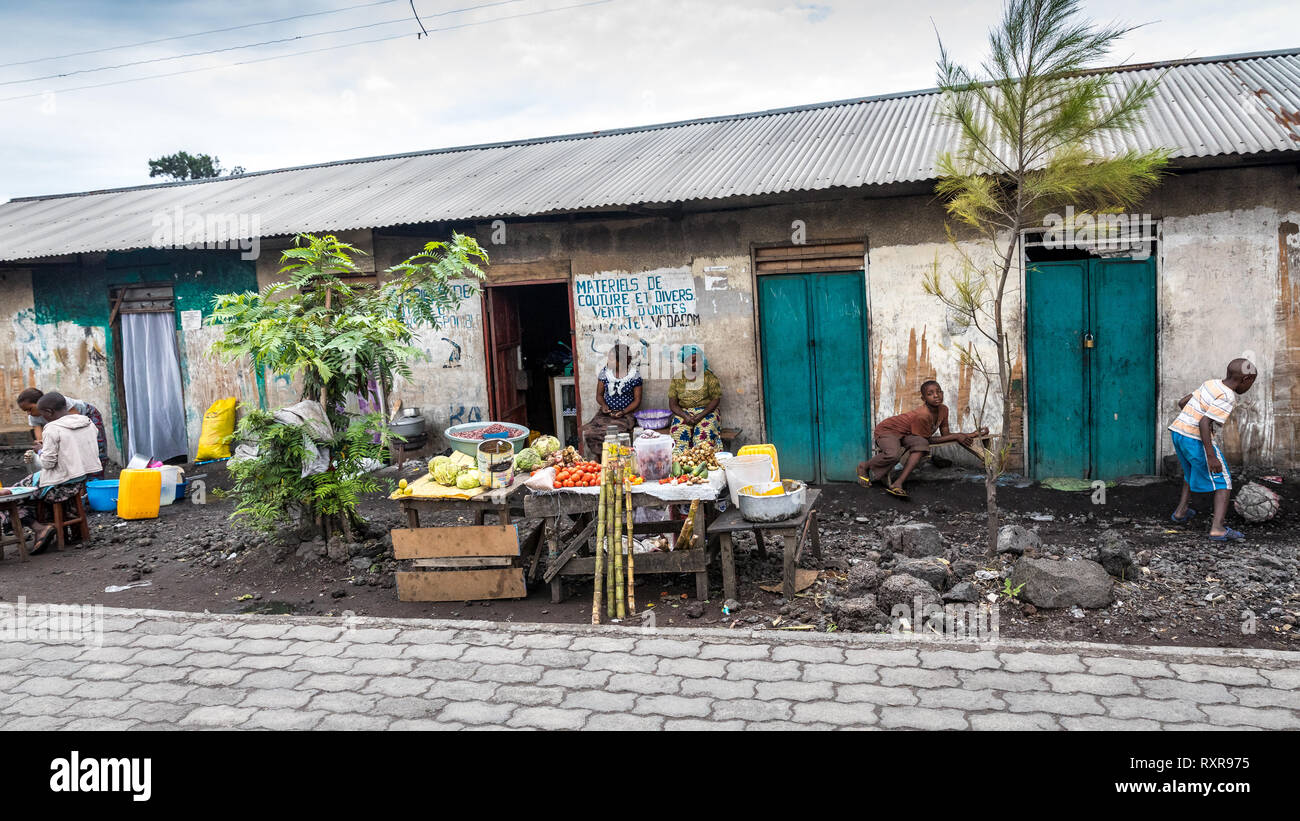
772	508
518	436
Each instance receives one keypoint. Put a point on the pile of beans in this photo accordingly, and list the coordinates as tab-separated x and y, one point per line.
479	433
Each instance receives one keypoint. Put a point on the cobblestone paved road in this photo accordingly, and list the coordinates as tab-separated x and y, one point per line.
161	670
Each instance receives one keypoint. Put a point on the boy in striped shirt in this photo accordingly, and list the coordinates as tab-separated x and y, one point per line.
1203	412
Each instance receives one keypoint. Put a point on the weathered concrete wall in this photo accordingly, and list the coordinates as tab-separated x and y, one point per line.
449	381
60	337
62	355
1229	283
1228	288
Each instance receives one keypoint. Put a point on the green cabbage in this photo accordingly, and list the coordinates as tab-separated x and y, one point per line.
445	473
528	459
438	460
467	480
546	445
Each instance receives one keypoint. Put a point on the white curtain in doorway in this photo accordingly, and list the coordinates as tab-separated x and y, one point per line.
151	371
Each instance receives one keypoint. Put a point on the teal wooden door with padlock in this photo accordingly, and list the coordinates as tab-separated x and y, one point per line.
1091	367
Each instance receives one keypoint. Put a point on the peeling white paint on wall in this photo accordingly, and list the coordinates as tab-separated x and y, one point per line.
1217	292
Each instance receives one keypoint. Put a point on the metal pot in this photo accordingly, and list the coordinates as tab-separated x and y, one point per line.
408	426
772	508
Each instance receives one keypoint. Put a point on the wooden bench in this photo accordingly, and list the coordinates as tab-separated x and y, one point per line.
795	533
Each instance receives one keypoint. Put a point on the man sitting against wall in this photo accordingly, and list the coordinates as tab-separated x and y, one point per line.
908	437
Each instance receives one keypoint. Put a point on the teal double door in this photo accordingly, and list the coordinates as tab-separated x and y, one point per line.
815	390
1091	370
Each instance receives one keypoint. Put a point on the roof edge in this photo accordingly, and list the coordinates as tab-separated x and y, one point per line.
582	135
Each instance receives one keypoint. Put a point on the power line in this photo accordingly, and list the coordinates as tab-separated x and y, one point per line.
294	38
197	34
301	53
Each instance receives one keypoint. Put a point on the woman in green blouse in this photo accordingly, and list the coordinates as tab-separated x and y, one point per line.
693	398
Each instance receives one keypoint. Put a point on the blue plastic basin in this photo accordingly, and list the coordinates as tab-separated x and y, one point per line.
102	494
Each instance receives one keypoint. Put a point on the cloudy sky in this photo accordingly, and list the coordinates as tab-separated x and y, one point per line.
490	70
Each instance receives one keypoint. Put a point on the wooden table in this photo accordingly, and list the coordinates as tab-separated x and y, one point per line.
19	538
794	532
504	502
562	549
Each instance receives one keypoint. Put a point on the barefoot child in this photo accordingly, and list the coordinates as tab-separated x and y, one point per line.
1203	412
910	433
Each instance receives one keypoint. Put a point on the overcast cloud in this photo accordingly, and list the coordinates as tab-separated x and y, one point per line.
619	64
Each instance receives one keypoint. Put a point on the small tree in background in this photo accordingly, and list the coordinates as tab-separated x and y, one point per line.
340	340
1030	124
185	166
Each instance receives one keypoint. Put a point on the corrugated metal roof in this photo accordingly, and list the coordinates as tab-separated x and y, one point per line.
1241	105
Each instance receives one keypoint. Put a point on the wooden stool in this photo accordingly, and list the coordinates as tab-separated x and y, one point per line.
63	522
728	437
19	537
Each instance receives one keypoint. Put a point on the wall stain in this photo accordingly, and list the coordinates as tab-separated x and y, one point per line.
907	386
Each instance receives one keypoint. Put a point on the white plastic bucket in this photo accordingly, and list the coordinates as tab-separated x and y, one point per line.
741	471
171	477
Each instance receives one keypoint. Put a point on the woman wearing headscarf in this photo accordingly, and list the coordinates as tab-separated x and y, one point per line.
693	397
618	393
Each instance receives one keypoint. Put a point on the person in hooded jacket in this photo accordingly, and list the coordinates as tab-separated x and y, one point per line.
69	455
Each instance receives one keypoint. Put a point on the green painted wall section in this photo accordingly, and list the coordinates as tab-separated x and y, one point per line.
79	294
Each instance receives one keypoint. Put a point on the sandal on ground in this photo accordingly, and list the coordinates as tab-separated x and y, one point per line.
897	491
864	481
44	542
1185	519
1229	535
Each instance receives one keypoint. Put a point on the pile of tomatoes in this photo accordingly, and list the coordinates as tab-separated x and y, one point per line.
579	474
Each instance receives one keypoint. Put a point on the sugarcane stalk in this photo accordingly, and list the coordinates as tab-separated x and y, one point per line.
616	487
631	550
611	592
684	539
599	579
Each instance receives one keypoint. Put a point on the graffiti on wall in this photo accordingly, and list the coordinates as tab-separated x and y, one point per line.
460	415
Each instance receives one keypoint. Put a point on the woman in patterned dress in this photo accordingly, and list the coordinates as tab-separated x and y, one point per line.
618	392
693	398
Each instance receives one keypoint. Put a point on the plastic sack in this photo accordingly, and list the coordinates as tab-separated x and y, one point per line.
218	423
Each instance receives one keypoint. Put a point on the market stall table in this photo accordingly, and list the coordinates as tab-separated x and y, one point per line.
562	549
794	532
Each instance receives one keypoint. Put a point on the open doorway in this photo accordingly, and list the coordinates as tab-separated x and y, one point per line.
530	355
150	398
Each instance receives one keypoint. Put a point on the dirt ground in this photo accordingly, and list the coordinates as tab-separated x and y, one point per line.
1187	591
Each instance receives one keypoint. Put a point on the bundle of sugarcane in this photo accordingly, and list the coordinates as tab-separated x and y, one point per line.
684	538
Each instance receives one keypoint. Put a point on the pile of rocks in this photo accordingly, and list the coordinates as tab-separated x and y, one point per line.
915	566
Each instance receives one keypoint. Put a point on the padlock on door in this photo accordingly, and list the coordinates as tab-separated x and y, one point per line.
1088	341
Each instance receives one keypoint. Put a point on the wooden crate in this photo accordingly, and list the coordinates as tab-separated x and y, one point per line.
459	563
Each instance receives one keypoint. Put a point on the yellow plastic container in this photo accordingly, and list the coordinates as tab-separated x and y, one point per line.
765	450
137	494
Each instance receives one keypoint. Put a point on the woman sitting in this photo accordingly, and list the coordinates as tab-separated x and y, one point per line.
693	398
618	392
67	458
28	399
